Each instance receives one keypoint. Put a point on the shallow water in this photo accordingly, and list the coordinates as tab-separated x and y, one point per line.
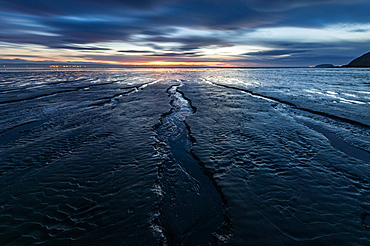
185	157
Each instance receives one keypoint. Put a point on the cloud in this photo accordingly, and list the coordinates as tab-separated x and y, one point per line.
214	15
188	43
85	30
284	5
275	52
171	54
75	7
92	21
135	51
79	48
165	54
19	56
153	26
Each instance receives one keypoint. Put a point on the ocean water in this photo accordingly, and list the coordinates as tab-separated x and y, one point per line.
185	157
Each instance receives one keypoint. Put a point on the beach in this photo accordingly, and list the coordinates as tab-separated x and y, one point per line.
207	156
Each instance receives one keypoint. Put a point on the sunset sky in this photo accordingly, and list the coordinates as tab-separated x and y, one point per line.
185	32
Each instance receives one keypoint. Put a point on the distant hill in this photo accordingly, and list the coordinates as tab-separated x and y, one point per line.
362	61
325	66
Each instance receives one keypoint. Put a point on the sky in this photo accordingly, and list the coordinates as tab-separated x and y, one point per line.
229	33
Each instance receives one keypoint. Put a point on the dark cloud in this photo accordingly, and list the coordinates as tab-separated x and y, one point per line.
19	56
73	7
171	54
92	21
305	54
189	43
83	30
319	16
216	15
283	5
79	48
135	51
275	52
360	30
69	24
166	54
297	61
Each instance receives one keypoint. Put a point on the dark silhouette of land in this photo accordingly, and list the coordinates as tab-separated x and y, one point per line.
362	61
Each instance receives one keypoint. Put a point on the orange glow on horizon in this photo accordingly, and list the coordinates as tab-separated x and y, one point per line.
167	63
146	63
171	63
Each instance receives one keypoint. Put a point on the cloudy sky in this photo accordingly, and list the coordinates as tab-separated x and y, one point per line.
185	32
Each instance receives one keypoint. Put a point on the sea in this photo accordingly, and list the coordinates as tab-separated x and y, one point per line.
185	156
